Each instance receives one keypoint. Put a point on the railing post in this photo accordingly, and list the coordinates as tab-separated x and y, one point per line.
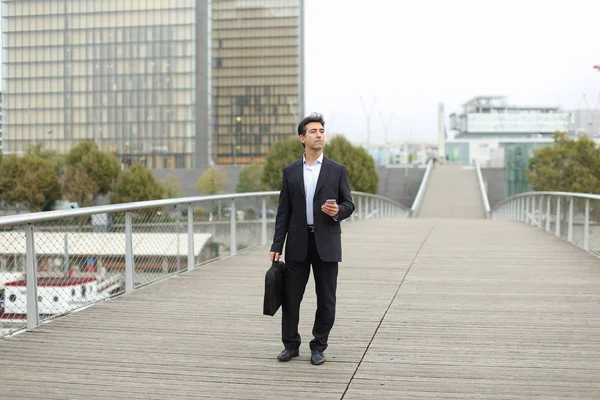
191	254
540	212
513	210
570	222
586	226
526	219
129	266
233	230
33	317
264	220
548	205
557	227
522	210
360	208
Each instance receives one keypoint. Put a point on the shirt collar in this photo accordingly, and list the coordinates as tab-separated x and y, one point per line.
319	160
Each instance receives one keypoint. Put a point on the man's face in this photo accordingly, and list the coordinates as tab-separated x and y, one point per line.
314	138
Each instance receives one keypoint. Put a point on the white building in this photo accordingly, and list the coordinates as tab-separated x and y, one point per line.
487	117
488	126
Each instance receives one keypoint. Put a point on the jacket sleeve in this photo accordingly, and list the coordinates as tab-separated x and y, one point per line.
282	220
346	204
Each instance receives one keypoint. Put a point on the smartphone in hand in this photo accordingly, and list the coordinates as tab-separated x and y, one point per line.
331	201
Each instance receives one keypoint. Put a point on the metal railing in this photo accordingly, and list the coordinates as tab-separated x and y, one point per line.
574	217
414	209
483	191
52	263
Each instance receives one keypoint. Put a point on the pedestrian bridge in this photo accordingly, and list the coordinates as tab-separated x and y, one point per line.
428	308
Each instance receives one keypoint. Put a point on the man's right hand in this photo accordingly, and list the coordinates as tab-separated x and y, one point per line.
274	256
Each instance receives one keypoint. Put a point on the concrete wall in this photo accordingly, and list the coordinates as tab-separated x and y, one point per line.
494	181
400	184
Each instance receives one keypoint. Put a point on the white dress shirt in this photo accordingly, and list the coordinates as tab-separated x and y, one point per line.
311	175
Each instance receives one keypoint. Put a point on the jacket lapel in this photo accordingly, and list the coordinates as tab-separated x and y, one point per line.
300	177
325	169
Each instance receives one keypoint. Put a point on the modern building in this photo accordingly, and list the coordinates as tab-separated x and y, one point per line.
131	75
1	113
257	90
586	122
498	135
487	117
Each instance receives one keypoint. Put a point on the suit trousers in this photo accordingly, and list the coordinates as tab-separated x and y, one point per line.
296	278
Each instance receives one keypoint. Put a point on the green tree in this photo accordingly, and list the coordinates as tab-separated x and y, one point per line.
136	184
212	181
360	165
101	168
171	186
58	162
568	166
79	186
30	180
42	186
281	154
249	180
12	189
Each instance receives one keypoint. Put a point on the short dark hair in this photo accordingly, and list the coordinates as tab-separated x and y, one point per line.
314	117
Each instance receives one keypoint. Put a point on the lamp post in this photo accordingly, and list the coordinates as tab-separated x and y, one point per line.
368	115
386	126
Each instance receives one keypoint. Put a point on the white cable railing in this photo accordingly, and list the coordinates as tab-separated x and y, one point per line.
483	191
574	217
52	263
414	210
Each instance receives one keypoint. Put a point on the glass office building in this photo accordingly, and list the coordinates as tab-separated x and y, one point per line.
257	76
131	75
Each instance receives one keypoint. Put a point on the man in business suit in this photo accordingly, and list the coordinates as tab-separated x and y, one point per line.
312	226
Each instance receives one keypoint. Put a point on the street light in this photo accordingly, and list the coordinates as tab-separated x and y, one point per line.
386	125
368	115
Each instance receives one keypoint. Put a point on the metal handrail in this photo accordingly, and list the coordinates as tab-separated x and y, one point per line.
112	208
545	210
589	196
414	209
140	205
484	196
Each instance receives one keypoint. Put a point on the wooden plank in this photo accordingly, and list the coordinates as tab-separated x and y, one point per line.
426	309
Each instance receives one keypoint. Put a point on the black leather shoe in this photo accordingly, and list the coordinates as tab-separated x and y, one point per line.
317	358
288	354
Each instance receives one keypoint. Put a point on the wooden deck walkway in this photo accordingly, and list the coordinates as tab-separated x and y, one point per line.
427	309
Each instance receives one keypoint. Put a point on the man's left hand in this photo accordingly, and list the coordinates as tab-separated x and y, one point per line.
330	209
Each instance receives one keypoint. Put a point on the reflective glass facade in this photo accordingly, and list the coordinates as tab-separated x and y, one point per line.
131	75
257	76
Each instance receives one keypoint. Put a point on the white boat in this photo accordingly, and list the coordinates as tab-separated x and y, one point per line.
58	295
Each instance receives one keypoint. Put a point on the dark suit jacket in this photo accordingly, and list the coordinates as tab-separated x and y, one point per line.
291	213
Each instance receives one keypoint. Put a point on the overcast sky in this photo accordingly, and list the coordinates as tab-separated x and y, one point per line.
414	54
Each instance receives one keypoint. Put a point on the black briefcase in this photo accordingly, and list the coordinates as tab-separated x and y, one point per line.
273	288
